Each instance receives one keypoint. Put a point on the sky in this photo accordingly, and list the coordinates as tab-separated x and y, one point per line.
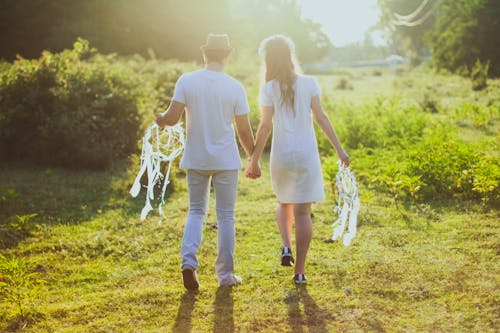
344	21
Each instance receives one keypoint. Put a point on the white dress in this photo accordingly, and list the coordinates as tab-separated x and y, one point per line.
295	165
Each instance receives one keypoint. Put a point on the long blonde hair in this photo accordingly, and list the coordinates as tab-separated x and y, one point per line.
280	64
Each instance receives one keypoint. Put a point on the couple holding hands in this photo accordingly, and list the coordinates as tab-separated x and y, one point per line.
213	101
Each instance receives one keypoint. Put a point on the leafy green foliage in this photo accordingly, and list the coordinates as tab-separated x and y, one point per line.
168	28
479	75
79	109
465	32
16	227
405	152
19	283
408	40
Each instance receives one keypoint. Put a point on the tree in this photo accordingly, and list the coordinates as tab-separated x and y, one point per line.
407	22
170	28
466	31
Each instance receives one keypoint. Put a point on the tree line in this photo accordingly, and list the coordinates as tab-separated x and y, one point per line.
167	28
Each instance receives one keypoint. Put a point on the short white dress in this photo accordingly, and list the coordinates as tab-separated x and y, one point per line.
295	164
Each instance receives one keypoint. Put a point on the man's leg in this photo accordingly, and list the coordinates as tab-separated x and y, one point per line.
198	186
225	184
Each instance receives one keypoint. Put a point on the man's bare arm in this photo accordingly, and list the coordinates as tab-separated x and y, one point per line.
245	133
172	115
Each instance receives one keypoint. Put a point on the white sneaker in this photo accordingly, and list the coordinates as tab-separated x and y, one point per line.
235	280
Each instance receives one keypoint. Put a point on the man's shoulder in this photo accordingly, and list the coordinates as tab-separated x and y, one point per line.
190	75
233	81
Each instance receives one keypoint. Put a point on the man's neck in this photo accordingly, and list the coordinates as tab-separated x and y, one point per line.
214	66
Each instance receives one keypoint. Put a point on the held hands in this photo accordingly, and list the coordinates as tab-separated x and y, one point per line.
253	169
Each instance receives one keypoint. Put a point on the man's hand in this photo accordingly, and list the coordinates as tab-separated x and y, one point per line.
253	170
171	116
160	120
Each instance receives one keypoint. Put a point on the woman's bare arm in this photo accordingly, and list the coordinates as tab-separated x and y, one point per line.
324	123
265	127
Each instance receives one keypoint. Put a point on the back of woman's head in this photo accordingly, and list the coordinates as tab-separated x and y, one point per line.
278	52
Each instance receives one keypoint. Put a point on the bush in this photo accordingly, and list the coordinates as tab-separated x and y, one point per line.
344	84
443	165
477	115
486	174
479	75
396	150
74	109
382	122
80	109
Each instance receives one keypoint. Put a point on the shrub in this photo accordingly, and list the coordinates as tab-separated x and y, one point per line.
77	108
444	166
382	122
479	75
434	165
344	84
428	103
486	174
478	115
19	283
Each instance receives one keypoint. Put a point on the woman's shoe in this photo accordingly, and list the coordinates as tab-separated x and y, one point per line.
299	279
286	257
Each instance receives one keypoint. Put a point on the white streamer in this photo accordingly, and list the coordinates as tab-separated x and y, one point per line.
158	145
348	205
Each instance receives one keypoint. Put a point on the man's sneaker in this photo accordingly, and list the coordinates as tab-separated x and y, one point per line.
286	257
190	280
299	279
235	280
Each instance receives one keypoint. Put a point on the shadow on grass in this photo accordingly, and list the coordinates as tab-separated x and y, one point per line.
61	196
223	309
18	323
314	318
184	314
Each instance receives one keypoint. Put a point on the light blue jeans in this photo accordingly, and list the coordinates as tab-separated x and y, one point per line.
225	185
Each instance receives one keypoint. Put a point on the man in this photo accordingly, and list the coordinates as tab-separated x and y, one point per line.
212	101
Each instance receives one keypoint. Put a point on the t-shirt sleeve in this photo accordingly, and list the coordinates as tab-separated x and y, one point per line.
241	102
179	93
265	97
316	90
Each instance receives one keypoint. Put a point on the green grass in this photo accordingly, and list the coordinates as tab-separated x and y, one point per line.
422	267
108	271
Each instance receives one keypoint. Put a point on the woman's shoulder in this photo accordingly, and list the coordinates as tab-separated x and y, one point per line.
306	78
270	85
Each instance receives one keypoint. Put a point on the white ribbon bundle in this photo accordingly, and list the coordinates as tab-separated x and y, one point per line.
158	146
348	205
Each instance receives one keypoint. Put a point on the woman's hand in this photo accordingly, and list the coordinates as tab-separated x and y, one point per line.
344	158
253	169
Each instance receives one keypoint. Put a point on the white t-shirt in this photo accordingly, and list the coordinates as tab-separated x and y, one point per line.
212	101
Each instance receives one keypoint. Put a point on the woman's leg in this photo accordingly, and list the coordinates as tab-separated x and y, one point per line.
284	219
303	234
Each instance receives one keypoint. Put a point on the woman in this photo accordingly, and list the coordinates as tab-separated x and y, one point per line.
287	99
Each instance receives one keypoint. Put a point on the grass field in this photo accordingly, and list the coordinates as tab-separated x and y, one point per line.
431	268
